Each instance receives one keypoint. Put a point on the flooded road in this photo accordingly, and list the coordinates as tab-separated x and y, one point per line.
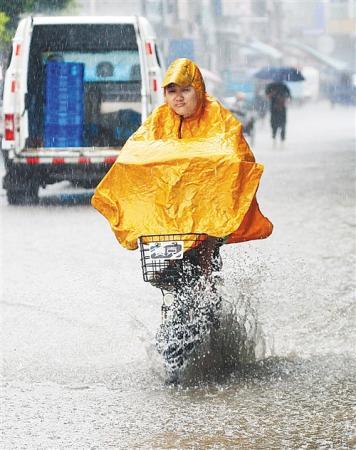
78	365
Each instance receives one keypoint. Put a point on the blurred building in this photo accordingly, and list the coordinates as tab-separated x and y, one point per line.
328	27
341	27
220	35
108	7
232	38
192	25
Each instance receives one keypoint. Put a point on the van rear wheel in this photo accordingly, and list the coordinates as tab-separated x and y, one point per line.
27	195
21	187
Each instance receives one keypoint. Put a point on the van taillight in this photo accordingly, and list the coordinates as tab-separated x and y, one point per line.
9	127
110	159
149	48
155	85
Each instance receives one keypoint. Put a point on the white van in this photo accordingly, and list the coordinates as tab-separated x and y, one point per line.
60	128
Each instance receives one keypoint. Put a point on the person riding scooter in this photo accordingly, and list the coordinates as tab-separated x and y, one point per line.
187	179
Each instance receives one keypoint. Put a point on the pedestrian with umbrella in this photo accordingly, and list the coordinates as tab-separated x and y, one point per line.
278	94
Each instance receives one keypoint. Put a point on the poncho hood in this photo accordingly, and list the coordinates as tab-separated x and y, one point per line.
185	72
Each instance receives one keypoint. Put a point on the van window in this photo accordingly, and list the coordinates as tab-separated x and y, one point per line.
121	65
112	74
85	37
96	46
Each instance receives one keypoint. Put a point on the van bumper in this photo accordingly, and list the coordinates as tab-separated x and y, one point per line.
81	169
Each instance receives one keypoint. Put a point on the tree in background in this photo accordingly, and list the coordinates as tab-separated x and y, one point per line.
11	10
5	34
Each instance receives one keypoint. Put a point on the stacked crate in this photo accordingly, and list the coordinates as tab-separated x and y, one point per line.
64	109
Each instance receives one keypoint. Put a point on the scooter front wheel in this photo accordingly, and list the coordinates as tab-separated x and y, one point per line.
192	315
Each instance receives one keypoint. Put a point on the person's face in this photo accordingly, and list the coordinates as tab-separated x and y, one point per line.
182	99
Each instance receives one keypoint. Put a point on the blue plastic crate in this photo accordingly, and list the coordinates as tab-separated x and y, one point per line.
51	141
71	84
63	130
64	104
64	109
61	68
68	91
57	135
65	90
65	78
63	118
64	85
72	99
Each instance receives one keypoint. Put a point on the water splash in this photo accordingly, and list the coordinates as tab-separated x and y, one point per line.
236	344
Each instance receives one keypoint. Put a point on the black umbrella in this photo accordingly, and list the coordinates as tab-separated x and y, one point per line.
278	87
279	74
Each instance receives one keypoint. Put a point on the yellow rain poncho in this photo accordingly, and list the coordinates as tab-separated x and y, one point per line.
184	175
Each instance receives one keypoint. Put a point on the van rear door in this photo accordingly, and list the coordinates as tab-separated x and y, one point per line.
21	51
152	62
15	87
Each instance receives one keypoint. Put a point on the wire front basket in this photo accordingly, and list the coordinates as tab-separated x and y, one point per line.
162	256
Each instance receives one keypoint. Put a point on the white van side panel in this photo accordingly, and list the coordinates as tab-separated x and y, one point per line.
152	74
23	72
145	107
155	71
15	86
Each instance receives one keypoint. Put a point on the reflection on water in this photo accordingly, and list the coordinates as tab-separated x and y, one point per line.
64	194
71	199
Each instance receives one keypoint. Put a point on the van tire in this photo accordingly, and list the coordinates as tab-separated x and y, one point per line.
22	197
21	186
